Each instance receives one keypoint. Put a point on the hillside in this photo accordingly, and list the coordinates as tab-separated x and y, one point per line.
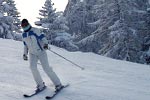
102	79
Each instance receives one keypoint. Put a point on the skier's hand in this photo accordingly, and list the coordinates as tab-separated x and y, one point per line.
45	46
25	57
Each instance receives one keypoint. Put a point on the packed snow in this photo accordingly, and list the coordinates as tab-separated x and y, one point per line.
103	78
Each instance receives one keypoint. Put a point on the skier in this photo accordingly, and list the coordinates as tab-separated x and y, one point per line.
36	43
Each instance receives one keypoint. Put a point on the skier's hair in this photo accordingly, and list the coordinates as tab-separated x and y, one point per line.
24	22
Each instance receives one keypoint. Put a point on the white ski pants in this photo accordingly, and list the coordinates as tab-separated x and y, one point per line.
42	56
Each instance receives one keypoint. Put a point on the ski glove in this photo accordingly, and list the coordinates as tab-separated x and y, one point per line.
25	57
45	46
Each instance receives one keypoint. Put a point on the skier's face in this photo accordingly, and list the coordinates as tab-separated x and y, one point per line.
24	25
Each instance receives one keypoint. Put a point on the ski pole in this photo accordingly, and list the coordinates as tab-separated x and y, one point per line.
66	59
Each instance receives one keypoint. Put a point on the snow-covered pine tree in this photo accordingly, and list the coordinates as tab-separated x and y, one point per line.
55	26
124	37
7	27
98	14
15	14
5	21
146	35
78	14
1	16
75	14
48	16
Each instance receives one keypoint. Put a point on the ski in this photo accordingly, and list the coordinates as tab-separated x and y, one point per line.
33	94
56	92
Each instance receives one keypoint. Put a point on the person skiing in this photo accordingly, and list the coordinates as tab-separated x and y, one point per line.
36	44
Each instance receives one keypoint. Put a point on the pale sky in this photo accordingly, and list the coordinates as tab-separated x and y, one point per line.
29	9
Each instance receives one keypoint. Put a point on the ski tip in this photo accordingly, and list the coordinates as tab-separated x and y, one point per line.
25	95
47	97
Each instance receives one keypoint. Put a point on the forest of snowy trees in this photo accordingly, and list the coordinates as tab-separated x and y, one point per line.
119	29
113	28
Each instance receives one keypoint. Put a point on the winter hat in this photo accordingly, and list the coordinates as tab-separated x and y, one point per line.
25	25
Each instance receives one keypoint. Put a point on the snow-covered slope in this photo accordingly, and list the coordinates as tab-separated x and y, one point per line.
102	79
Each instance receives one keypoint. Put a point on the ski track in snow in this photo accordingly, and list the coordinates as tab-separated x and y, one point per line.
102	79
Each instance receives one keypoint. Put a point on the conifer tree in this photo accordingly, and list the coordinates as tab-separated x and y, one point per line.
53	22
48	16
8	26
15	14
